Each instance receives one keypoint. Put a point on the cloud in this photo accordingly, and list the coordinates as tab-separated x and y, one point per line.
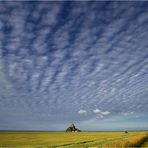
82	111
128	113
102	114
105	113
58	57
97	110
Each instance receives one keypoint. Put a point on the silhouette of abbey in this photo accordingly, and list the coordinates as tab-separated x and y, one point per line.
72	128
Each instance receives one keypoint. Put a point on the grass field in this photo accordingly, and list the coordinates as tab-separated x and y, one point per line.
63	139
145	144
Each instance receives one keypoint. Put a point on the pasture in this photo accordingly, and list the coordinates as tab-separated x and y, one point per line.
63	139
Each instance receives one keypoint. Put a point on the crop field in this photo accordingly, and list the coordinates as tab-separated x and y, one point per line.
81	139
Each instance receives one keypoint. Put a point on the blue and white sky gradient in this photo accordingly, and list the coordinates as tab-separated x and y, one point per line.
81	62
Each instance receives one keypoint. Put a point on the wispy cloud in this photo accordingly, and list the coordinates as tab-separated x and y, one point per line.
102	114
59	57
82	111
128	113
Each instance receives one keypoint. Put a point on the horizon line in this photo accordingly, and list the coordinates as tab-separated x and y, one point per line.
64	130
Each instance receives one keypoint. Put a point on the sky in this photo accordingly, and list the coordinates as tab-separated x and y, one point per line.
74	62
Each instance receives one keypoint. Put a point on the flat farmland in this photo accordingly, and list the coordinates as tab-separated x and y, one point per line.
81	139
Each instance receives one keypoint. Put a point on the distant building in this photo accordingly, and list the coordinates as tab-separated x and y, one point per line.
72	128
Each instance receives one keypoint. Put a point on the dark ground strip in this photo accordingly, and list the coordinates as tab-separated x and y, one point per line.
145	143
68	144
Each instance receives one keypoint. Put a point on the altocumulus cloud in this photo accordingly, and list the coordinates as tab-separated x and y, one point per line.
101	113
82	111
57	58
128	114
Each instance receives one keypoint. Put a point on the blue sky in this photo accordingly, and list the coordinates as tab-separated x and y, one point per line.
81	62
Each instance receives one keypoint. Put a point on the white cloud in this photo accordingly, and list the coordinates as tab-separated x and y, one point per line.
97	110
82	111
105	113
83	71
102	114
128	113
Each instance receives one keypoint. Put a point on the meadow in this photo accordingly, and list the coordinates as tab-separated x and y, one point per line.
79	140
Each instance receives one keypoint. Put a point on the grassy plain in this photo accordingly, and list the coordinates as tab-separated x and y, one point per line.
145	144
79	140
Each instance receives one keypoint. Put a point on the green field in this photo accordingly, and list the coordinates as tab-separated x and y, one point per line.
63	139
